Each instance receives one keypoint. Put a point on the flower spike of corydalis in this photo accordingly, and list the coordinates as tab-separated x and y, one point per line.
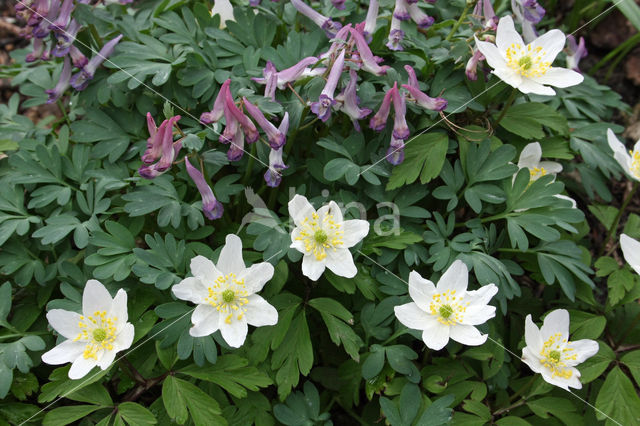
65	39
322	107
371	19
93	337
400	128
225	294
628	160
401	10
528	13
421	19
419	97
575	52
249	129
349	101
218	106
368	61
447	310
471	70
80	80
631	251
330	27
379	120
550	353
211	207
396	35
63	82
273	79
527	67
64	17
485	10
273	175
324	238
160	143
395	152
275	137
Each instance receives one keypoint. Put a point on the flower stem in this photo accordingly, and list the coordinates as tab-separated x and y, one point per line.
616	221
507	105
64	112
457	24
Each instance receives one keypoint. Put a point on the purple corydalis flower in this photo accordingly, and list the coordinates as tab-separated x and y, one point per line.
161	139
64	16
576	51
65	39
275	137
400	128
472	65
528	13
401	11
77	57
369	62
274	79
218	106
41	28
419	97
154	144
421	19
350	101
322	108
371	19
81	79
338	4
485	10
273	176
236	149
379	120
63	82
247	125
211	207
38	50
40	10
330	27
395	153
396	35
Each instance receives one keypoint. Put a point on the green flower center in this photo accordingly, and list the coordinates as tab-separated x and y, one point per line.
320	236
555	356
446	311
525	62
99	334
228	296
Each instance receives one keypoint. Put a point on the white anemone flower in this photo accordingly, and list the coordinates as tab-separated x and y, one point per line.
631	251
324	238
527	67
531	156
629	160
550	353
94	337
448	310
225	294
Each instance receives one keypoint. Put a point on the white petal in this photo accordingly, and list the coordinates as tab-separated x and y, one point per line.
555	322
491	54
435	335
81	367
482	296
299	208
530	156
583	349
532	335
354	231
95	298
206	324
333	209
467	335
256	276
201	312
65	352
234	332
203	268
259	312
296	240
506	35
312	268
107	359
455	278
614	143
124	339
478	314
64	322
529	357
230	260
190	289
411	316
573	381
574	205
560	77
340	262
630	250
509	76
119	309
552	43
551	167
421	290
529	85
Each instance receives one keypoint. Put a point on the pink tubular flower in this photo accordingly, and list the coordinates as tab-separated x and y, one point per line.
338	4
63	82
472	65
419	97
211	207
396	35
273	79
273	176
330	27
218	106
401	11
369	62
247	125
275	137
154	144
80	80
236	149
64	17
400	128
349	101
395	153
77	57
65	39
371	19
379	120
39	47
575	52
485	10
322	108
161	137
421	19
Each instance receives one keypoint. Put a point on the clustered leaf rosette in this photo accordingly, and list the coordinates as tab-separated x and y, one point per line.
225	294
93	337
631	251
324	238
447	310
550	353
628	160
527	67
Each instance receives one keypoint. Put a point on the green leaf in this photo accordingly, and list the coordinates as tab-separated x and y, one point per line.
182	398
585	325
339	167
331	307
5	300
424	157
629	9
528	119
593	367
136	414
632	361
618	399
438	413
65	415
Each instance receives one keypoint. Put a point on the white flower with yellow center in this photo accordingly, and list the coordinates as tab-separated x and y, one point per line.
631	251
531	156
94	337
629	160
325	238
550	353
527	67
225	294
448	310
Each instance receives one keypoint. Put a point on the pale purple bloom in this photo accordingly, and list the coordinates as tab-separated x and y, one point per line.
395	153
322	108
230	129
340	41
77	57
576	52
218	106
401	11
38	50
371	19
40	9
419	17
273	176
368	61
419	97
236	149
379	120
349	101
63	18
274	79
211	207
81	79
41	26
65	39
528	13
400	128
154	144
472	65
396	35
63	82
329	27
254	3
161	138
248	127
338	4
275	137
485	10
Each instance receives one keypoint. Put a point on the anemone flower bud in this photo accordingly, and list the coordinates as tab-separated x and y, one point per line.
349	101
218	106
400	128
371	19
401	10
472	65
421	19
276	139
576	52
396	35
322	108
63	82
379	120
211	207
329	27
338	4
369	62
395	153
62	21
273	175
80	80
